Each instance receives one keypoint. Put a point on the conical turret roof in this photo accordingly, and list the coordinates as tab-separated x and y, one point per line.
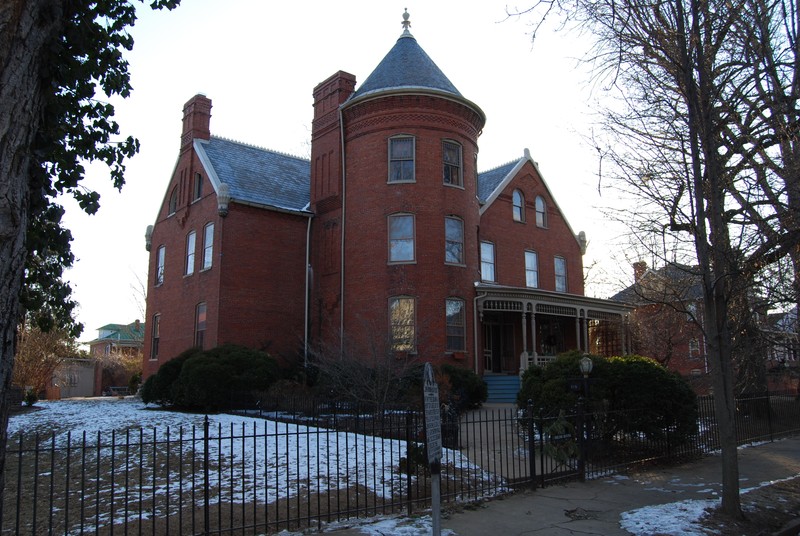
406	66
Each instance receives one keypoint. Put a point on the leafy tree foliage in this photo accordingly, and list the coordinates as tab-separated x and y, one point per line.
61	61
206	380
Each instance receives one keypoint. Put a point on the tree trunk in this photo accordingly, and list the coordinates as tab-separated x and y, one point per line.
26	27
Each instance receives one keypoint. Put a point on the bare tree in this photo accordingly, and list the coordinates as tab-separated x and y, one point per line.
704	136
39	354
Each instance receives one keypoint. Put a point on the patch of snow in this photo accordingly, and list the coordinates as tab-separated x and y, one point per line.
671	519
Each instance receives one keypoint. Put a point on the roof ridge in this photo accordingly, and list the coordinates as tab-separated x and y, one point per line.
512	161
253	146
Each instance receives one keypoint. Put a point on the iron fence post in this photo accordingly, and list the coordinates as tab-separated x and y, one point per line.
408	460
531	444
206	510
581	439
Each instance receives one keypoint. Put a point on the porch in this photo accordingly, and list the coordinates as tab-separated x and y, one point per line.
517	328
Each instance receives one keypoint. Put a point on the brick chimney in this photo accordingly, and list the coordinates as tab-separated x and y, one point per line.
328	95
196	120
639	268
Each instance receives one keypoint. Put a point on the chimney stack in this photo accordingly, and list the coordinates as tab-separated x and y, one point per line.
639	268
196	120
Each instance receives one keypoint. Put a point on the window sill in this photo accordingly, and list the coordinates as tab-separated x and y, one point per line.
402	182
395	263
452	185
456	264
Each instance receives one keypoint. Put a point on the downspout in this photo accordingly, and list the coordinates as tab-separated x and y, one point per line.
341	259
475	329
308	291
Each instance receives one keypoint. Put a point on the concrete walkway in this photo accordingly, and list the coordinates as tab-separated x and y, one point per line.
594	507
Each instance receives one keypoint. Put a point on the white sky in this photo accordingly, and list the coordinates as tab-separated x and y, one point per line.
259	62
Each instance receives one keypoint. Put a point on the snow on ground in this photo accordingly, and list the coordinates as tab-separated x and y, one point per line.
92	415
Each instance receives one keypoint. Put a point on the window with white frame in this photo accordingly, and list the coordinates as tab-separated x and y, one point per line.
531	269
561	274
401	238
161	255
694	348
191	240
172	206
487	262
518	202
208	246
541	212
155	336
200	314
456	325
401	159
402	323
451	160
453	240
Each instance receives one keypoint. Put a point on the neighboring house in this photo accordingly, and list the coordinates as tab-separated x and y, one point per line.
115	342
73	378
387	240
667	325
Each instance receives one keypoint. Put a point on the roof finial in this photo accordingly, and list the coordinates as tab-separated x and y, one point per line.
406	24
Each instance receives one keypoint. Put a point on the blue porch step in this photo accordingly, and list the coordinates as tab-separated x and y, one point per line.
502	388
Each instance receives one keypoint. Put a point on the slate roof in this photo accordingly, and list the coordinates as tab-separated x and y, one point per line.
406	66
257	175
489	180
674	282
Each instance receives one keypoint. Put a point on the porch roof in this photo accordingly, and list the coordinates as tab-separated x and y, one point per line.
525	299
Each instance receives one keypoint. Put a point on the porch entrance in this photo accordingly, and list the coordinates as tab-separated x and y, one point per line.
498	345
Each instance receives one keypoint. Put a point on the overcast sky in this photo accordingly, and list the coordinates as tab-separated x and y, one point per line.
259	61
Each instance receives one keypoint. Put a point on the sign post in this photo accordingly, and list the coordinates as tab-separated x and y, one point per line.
433	436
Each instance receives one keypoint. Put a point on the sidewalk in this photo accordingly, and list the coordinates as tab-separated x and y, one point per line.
594	507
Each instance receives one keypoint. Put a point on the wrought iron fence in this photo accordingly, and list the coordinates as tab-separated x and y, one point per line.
306	465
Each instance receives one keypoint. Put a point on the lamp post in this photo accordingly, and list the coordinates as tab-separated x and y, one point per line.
586	366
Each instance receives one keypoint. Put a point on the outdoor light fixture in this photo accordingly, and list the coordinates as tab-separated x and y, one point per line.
586	366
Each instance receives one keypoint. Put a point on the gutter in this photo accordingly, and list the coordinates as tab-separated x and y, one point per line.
341	260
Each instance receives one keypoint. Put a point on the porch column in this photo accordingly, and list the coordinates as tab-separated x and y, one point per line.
534	351
578	332
523	357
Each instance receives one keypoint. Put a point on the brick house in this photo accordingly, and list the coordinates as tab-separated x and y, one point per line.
120	339
667	324
388	240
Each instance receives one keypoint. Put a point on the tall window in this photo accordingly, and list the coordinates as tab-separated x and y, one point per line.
531	269
487	261
456	329
173	201
155	336
453	241
694	348
401	238
519	205
402	324
191	238
451	157
161	256
199	324
197	187
561	274
541	212
208	245
401	159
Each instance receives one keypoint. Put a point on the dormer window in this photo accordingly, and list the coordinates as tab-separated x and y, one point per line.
401	159
451	159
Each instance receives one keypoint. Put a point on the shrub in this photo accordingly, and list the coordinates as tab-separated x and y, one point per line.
467	389
631	394
198	380
31	397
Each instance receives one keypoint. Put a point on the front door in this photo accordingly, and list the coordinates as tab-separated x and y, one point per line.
498	347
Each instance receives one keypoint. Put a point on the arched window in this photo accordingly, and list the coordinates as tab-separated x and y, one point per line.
161	255
156	335
402	323
190	247
541	212
519	205
456	324
173	201
451	160
401	238
208	245
453	240
401	159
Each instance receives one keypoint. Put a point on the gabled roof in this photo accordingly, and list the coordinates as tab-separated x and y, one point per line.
406	66
255	175
669	284
488	181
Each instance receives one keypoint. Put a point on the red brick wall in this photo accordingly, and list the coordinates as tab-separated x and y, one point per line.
369	278
512	238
